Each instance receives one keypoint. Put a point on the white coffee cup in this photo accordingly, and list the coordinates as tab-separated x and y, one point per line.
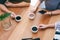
34	29
18	18
31	16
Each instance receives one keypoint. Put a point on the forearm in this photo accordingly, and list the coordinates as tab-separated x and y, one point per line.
56	12
50	25
34	7
3	8
22	4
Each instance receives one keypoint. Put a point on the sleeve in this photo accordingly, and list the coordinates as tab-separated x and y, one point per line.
57	25
33	2
42	0
2	2
28	1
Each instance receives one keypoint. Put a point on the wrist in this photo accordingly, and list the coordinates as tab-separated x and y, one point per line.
48	13
47	26
50	25
32	9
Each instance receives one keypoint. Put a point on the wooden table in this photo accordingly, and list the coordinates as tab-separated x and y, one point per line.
4	35
23	28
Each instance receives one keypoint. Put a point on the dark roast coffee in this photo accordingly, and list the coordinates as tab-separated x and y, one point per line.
34	29
18	17
42	11
55	39
27	39
36	39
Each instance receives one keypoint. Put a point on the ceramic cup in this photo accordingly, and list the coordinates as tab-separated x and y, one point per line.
18	18
42	11
31	15
34	29
36	38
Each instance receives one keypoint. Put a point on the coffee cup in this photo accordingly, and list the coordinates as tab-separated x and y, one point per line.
18	18
36	38
42	11
31	15
34	29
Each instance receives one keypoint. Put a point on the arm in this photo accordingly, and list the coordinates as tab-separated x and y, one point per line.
33	7
55	25
55	12
43	26
50	25
3	8
22	4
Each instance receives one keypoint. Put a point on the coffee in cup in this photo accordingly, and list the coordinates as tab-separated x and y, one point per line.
18	18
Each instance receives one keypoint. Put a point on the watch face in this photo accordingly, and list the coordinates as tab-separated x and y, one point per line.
42	11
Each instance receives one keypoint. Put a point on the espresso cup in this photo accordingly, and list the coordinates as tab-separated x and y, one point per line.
36	38
34	29
42	11
31	16
18	18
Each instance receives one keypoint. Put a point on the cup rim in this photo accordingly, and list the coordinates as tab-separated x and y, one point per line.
31	17
36	30
16	19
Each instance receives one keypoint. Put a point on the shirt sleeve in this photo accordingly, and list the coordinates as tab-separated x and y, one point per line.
42	1
33	2
57	25
2	2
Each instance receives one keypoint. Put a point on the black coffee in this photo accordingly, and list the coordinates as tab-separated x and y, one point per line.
42	11
36	39
34	28
31	15
18	17
27	39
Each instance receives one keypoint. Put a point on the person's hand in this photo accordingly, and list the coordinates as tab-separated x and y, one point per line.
32	9
47	13
42	26
13	14
8	4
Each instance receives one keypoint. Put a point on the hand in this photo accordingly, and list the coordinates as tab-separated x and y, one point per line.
8	4
48	13
32	8
13	14
42	26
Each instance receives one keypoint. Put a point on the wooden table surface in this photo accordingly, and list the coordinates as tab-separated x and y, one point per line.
23	29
